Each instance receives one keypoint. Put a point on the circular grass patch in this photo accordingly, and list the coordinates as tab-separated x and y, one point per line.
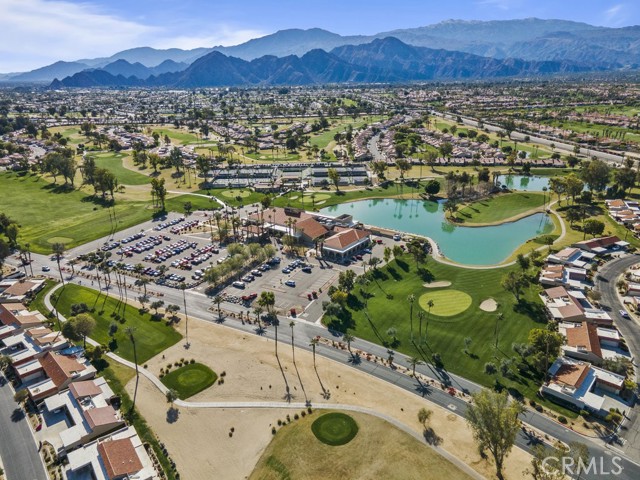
64	240
335	429
235	193
190	379
446	302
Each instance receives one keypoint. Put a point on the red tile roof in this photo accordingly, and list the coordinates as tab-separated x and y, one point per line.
60	368
101	416
119	458
342	240
586	336
87	388
311	228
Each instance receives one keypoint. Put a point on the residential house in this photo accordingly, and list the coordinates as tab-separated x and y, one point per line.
88	410
58	370
580	385
119	455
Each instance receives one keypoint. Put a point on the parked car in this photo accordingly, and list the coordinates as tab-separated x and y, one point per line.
397	237
46	268
624	313
239	285
290	283
306	269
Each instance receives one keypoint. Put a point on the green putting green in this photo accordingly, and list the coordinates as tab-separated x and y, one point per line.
318	197
335	429
64	240
190	379
235	193
446	303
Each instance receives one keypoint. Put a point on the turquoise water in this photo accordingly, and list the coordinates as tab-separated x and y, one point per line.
465	245
524	183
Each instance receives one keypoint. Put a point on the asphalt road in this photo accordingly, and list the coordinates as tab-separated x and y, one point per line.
18	449
606	283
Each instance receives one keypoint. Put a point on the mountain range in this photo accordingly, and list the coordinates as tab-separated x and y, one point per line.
529	39
381	61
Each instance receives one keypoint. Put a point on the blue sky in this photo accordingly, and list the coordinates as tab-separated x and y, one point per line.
34	33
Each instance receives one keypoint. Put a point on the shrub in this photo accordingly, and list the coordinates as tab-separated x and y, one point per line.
296	417
562	420
539	408
273	430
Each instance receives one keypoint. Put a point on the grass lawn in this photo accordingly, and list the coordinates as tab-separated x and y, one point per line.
113	162
190	379
388	307
379	451
335	428
273	156
446	302
152	336
500	207
38	302
247	196
178	136
176	204
47	213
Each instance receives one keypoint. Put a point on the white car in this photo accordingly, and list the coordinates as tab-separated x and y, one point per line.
624	313
46	268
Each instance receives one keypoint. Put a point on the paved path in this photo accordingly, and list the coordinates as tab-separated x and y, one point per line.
18	449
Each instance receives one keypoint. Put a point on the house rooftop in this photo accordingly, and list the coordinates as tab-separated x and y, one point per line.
119	457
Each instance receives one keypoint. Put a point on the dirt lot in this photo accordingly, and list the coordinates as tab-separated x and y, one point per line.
252	374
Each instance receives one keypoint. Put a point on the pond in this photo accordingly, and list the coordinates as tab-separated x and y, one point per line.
466	245
524	183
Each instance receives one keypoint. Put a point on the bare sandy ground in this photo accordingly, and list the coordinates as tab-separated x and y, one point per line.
489	305
199	440
443	283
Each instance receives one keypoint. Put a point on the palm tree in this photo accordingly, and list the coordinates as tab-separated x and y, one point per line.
414	362
258	313
293	347
411	298
347	337
430	304
58	252
313	344
130	331
218	300
183	287
421	317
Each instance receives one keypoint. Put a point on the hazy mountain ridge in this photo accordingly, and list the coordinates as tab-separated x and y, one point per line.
527	39
382	60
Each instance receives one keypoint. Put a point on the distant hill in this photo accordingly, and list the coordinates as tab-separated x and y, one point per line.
383	60
45	74
290	42
126	69
530	39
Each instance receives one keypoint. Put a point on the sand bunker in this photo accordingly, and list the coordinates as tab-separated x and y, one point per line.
489	305
443	283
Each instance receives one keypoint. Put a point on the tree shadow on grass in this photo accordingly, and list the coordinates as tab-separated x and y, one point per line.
403	265
394	273
534	311
354	303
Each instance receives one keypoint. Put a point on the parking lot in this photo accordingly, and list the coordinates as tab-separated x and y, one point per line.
172	253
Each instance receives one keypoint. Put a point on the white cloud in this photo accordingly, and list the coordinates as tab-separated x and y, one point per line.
35	33
615	15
